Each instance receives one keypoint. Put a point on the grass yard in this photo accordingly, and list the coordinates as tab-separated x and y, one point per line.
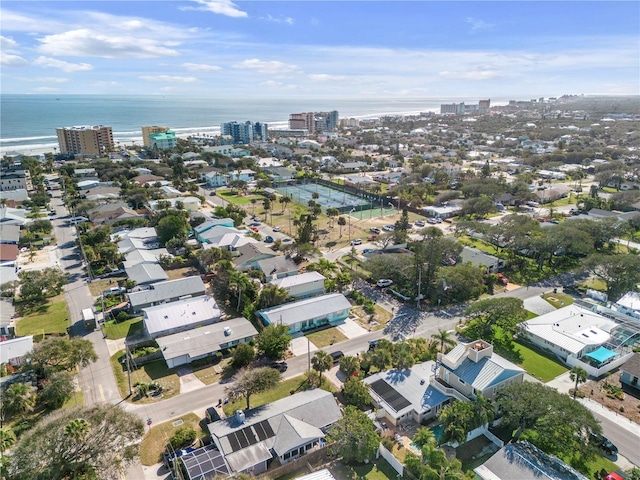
50	318
594	284
155	371
98	286
538	366
326	337
530	315
214	373
377	470
76	400
283	389
558	300
233	197
157	438
128	328
176	273
381	316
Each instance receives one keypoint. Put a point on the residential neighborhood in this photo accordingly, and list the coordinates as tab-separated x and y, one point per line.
417	294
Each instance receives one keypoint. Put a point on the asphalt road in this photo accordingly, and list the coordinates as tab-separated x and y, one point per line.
626	439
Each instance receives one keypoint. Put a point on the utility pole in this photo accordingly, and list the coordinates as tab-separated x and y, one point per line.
126	350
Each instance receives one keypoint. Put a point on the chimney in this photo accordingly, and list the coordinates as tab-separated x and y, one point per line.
240	417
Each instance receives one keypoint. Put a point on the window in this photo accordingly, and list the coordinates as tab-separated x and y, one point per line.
461	381
287	456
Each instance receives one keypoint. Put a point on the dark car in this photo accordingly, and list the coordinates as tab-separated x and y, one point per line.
268	239
604	444
336	356
373	344
280	366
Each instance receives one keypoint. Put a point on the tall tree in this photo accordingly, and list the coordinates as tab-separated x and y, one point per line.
273	341
7	439
443	337
341	223
18	399
47	452
250	381
61	353
457	420
356	392
579	375
485	315
353	436
58	389
621	273
321	362
402	356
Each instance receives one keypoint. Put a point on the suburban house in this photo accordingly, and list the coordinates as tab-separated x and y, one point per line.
277	267
250	254
444	211
224	237
151	179
474	368
278	431
215	178
310	284
147	234
129	245
525	461
146	273
190	204
13	351
137	257
8	254
630	373
13	216
580	337
9	234
180	316
404	395
481	259
166	292
112	212
185	347
212	222
307	314
7	314
628	304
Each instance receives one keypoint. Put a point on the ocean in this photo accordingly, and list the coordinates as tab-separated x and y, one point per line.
28	122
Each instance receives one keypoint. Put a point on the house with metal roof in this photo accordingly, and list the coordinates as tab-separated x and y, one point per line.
628	304
405	395
166	292
305	285
9	234
213	222
185	347
309	313
479	258
146	273
221	236
14	350
282	430
180	316
474	368
525	461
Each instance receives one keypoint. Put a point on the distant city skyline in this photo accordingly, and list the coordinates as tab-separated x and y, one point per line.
297	49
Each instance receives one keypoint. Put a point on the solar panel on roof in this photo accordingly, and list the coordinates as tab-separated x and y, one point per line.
267	428
389	395
233	441
262	435
250	436
244	443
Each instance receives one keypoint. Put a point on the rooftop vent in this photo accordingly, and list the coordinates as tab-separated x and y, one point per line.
240	417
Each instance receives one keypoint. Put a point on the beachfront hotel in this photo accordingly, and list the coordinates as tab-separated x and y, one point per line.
95	140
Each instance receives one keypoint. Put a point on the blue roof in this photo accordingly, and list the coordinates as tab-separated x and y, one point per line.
601	355
487	372
433	397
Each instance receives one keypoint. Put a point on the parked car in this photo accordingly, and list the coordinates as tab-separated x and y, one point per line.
280	366
356	241
371	238
268	239
373	344
384	282
419	223
76	220
432	221
336	356
114	291
603	443
368	250
374	230
276	229
389	228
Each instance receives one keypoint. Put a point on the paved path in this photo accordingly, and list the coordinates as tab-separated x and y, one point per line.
351	329
538	305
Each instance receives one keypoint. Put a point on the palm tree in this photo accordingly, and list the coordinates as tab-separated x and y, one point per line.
341	223
7	439
320	362
324	267
424	436
18	399
402	358
332	213
579	375
238	282
456	419
253	206
77	429
443	338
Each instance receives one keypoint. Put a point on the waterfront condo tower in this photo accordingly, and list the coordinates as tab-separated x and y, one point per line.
150	130
95	140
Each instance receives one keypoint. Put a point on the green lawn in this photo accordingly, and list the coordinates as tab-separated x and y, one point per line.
594	284
51	318
128	328
558	300
378	470
538	366
155	371
530	315
232	197
326	337
209	375
283	389
157	437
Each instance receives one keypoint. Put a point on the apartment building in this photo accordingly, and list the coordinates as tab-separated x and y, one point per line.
15	179
163	140
150	130
245	133
94	140
315	122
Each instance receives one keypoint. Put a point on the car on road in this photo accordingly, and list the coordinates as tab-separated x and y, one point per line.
52	212
280	366
374	230
276	229
336	356
268	239
384	282
356	241
419	223
604	444
76	220
255	229
373	344
368	250
256	223
389	228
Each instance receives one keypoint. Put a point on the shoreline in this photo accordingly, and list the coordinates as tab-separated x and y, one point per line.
127	139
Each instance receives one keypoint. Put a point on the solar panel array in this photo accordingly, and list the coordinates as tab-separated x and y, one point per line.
204	461
250	435
389	395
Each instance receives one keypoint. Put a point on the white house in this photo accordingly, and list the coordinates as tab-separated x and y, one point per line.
14	350
180	316
166	292
310	284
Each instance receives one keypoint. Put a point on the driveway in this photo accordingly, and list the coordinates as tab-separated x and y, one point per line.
301	345
351	329
538	305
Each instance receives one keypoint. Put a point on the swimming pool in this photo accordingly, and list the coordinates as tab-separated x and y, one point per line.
437	430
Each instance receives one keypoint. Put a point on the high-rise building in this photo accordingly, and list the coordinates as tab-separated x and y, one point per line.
302	121
246	132
148	131
314	122
261	131
484	105
95	140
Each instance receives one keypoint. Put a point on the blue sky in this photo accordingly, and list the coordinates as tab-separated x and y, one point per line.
314	48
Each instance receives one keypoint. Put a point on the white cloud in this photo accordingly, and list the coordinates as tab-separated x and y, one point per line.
168	78
103	83
272	67
471	75
8	60
89	43
62	65
279	85
46	90
281	19
325	77
7	43
221	7
200	67
48	79
478	25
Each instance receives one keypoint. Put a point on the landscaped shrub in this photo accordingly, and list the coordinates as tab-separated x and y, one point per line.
182	438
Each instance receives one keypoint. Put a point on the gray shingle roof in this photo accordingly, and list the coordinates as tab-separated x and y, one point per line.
169	289
144	273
